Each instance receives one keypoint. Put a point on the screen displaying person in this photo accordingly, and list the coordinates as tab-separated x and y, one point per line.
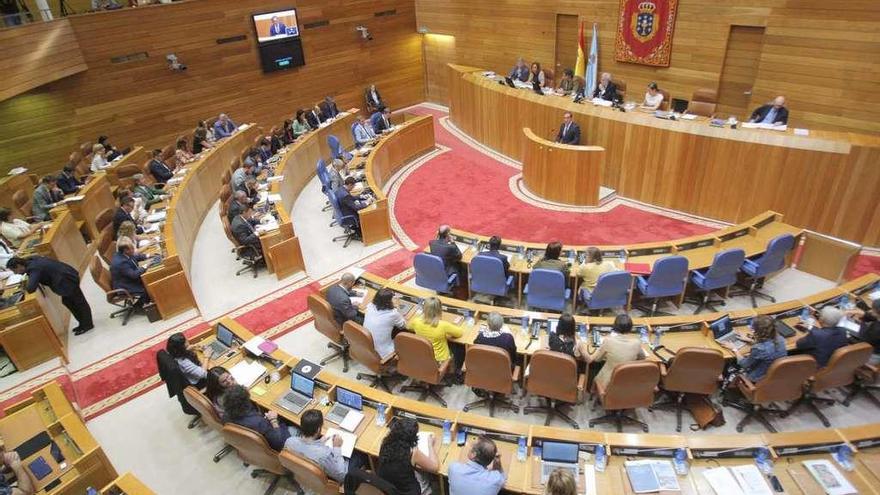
277	27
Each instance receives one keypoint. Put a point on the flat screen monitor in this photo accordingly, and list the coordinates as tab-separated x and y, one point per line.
278	40
224	335
302	385
559	452
348	398
276	25
721	327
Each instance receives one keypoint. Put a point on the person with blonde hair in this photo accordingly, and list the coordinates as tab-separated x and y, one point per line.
560	482
128	231
99	160
431	326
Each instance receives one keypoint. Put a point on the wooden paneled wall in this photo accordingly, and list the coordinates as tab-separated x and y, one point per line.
824	56
142	102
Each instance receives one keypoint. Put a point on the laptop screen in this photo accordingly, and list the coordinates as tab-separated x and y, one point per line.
559	452
348	398
721	327
224	335
302	385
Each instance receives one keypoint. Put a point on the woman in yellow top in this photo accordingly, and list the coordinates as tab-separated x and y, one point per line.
590	271
436	330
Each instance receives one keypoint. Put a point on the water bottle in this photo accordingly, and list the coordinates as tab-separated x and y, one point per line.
843	456
806	317
644	334
571	257
762	460
524	321
622	256
380	415
447	432
680	462
843	302
601	460
521	449
658	332
582	331
468	318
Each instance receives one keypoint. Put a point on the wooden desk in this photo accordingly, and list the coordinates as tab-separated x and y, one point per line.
97	197
562	173
409	140
127	484
688	165
64	242
11	184
121	170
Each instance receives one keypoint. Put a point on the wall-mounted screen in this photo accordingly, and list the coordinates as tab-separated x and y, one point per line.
276	26
278	40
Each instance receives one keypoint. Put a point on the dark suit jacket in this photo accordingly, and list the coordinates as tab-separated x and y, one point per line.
68	183
449	252
339	299
245	233
369	97
573	136
869	331
329	110
126	274
314	118
822	342
235	209
761	112
500	256
123	216
610	93
62	278
379	123
348	204
161	172
255	420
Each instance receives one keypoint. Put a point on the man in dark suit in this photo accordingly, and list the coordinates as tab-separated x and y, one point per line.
374	99
606	89
520	71
771	113
315	117
67	180
382	120
125	273
63	279
822	342
494	246
158	169
569	131
339	297
46	196
328	108
237	205
350	204
277	27
123	214
447	250
244	230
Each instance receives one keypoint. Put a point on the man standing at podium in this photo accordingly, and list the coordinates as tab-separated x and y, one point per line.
569	131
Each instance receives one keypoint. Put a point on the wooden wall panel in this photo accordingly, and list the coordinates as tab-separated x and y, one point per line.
740	70
142	102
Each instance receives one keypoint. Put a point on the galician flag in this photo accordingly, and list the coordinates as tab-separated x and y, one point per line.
592	63
580	65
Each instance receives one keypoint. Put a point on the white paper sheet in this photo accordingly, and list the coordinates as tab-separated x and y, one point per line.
750	480
253	345
722	481
247	373
352	420
348	441
829	478
426	439
589	480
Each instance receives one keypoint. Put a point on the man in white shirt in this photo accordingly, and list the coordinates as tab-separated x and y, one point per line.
14	230
362	133
312	446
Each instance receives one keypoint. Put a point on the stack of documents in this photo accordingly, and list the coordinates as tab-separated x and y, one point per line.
352	420
758	125
829	478
738	480
156	217
348	441
650	476
247	373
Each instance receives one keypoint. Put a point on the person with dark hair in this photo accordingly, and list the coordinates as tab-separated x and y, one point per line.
446	249
244	229
653	97
15	230
287	136
481	475
569	84
200	141
11	460
300	124
123	214
219	380
63	279
182	156
349	204
594	267
158	168
563	339
381	120
125	273
536	74
67	181
399	458
183	352
112	151
551	260
494	247
265	150
768	347
314	117
383	321
240	410
329	108
46	195
869	328
621	346
569	131
313	446
339	297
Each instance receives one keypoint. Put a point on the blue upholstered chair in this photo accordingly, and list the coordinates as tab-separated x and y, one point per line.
349	222
721	275
487	276
336	149
667	279
772	261
431	273
546	290
611	291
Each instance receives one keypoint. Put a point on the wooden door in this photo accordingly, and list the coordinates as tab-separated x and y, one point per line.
566	44
739	71
439	50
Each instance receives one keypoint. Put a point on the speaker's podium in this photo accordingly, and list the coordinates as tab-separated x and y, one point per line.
562	173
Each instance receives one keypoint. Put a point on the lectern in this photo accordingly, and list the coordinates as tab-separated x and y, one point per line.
562	173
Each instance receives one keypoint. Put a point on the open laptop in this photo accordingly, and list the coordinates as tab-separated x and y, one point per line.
722	332
224	341
302	392
558	455
346	401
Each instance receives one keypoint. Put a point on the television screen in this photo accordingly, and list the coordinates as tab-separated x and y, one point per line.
276	26
278	40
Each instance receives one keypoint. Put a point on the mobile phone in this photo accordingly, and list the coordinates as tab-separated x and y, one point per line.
461	437
777	486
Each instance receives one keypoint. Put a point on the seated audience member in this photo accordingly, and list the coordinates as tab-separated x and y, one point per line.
151	195
374	99
46	195
337	174
160	171
287	132
241	174
224	127
244	230
110	151
200	140
328	108
520	71
276	141
564	338
238	204
551	260
314	117
618	347
771	113
218	382
494	251
339	297
311	445
446	249
123	214
254	159
67	181
569	131
822	342
7	252
350	204
606	89
15	230
363	133
569	84
240	410
183	352
125	273
768	347
209	132
401	462
383	321
9	459
561	482
128	230
431	326
99	159
265	151
593	268
536	74
495	333
382	122
301	124
182	156
869	328
653	97
251	190
482	474
139	212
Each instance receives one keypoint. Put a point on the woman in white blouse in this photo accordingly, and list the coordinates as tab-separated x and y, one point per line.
99	161
653	97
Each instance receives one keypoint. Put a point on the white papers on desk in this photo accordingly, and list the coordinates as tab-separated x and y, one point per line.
600	102
117	158
490	74
156	217
174	181
426	442
651	476
348	441
243	127
69	199
247	373
850	326
590	480
352	420
153	227
181	171
687	116
253	345
14	279
273	198
263	187
829	478
758	125
146	242
356	301
801	132
18	171
276	178
267	226
362	151
874	295
738	480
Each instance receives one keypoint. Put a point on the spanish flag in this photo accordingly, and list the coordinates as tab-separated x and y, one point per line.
580	67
